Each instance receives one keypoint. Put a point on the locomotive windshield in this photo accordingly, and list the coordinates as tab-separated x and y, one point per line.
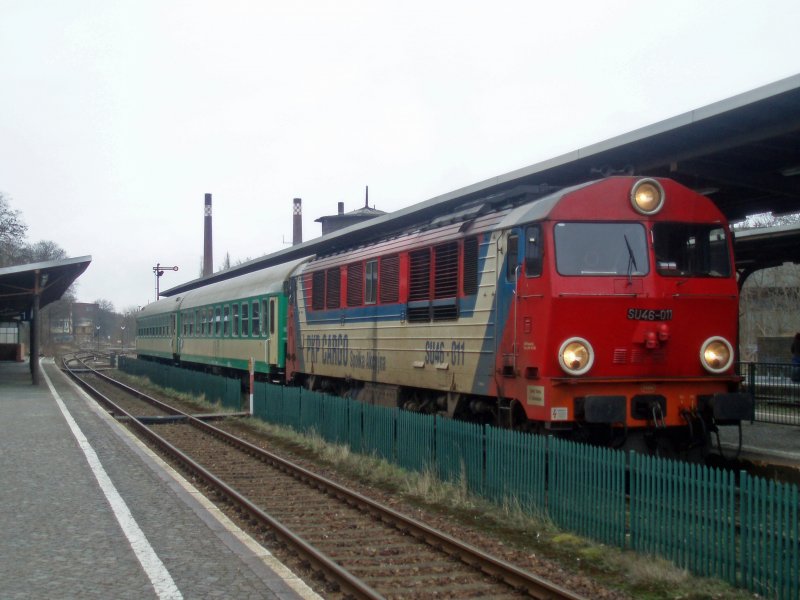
601	249
691	250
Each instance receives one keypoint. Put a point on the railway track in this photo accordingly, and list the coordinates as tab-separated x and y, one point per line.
362	548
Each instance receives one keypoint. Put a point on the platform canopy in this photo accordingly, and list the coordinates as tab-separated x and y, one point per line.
50	280
767	247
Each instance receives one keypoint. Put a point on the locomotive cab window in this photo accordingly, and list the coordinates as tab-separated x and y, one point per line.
691	250
513	258
597	249
533	251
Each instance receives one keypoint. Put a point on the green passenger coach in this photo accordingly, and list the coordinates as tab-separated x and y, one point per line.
222	326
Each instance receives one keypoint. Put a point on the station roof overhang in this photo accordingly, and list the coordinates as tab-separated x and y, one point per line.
50	280
767	247
742	152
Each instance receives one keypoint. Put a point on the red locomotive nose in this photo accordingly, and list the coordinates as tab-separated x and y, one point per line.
663	332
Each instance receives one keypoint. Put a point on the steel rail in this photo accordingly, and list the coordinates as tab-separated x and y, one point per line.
348	583
519	579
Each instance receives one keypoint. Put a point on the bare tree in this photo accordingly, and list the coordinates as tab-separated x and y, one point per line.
12	233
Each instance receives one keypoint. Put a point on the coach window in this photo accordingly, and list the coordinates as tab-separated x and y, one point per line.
512	258
217	321
533	251
235	320
371	282
264	305
226	321
256	321
245	319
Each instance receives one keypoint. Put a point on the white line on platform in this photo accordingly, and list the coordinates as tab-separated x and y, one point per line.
162	581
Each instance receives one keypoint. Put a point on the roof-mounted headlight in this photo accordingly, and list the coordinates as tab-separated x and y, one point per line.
716	355
576	356
647	196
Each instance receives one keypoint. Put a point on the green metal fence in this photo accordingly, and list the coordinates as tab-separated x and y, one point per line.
215	388
684	512
769	537
516	466
693	515
586	490
775	392
459	453
415	441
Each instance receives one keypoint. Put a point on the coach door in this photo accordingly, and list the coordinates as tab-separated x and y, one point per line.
271	324
175	335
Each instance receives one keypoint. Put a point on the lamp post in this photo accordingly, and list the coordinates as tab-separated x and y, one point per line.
123	338
97	335
158	270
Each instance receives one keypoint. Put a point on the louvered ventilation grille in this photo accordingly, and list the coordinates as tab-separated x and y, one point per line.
446	278
390	279
318	290
332	296
471	266
355	284
420	275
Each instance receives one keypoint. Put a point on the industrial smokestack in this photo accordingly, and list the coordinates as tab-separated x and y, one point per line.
297	232
341	208
208	252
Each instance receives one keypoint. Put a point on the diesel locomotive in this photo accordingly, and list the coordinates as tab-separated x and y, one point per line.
607	311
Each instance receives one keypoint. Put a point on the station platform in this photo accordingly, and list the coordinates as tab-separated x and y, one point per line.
89	512
762	443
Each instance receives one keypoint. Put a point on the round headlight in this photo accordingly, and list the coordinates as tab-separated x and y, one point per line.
647	196
716	354
576	356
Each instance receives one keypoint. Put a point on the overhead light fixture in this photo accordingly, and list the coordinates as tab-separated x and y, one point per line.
791	171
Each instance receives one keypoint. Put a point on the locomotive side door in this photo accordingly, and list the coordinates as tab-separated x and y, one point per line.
508	272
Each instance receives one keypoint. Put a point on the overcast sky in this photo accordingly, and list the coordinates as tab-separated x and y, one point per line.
117	117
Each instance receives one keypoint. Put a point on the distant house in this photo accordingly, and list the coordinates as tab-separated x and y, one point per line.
84	316
341	219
